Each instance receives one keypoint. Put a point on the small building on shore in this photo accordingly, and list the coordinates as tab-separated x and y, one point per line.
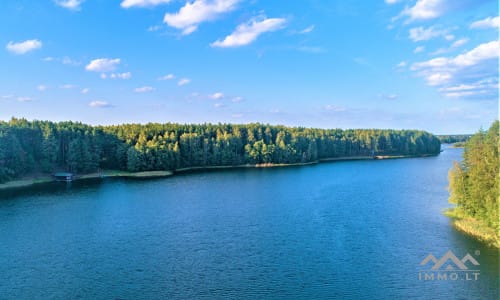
64	176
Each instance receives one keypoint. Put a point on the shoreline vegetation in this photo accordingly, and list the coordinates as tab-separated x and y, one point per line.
473	227
473	186
30	148
45	178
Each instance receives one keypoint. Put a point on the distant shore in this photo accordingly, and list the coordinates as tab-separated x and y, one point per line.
40	179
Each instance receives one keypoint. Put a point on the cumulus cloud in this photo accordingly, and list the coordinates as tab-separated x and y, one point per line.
103	65
418	34
432	9
142	3
464	70
248	32
99	104
216	96
167	77
69	4
144	89
426	9
193	13
23	47
490	22
183	81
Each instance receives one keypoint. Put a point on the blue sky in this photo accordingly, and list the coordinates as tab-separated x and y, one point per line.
425	64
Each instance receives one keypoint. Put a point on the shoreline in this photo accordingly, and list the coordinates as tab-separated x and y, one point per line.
29	181
472	227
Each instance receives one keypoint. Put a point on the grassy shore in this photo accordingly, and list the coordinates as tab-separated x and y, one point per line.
473	227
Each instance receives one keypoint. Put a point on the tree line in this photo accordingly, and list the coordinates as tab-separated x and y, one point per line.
453	138
473	183
44	146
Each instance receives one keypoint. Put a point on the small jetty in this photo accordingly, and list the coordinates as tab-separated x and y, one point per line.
64	176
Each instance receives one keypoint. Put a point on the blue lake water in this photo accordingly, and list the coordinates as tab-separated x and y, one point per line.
350	230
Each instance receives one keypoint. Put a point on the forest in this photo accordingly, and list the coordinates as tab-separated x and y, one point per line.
454	138
473	183
44	147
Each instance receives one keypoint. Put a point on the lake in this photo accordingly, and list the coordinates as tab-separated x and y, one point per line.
350	230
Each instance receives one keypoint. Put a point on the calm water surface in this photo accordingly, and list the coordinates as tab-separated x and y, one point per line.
350	230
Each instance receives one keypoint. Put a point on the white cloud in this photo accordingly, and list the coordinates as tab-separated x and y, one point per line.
480	53
7	96
183	81
237	99
423	34
248	32
103	65
307	30
438	78
464	70
126	75
419	49
426	9
48	58
193	13
143	3
144	89
402	64
85	91
69	4
219	105
24	47
216	96
42	87
167	77
490	22
392	1
459	43
24	99
99	103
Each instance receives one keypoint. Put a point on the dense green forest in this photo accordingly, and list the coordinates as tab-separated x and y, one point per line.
455	138
473	184
43	146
